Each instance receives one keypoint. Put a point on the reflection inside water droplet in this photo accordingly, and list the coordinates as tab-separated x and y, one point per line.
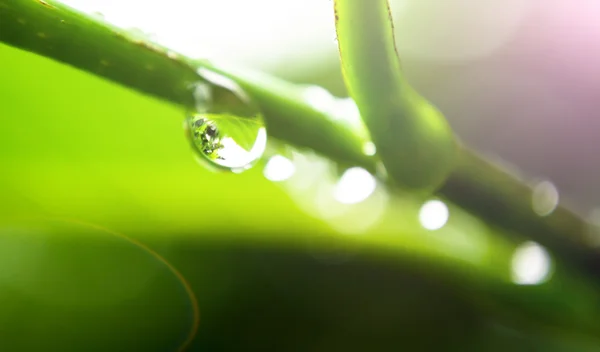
227	129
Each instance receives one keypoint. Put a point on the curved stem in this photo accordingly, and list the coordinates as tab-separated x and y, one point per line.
56	31
417	145
412	137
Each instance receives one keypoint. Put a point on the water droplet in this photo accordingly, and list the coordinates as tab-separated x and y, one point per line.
226	128
140	34
279	168
355	185
544	198
530	264
172	55
369	148
99	15
351	204
434	215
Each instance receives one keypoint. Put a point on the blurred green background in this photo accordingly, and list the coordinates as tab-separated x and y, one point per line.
286	266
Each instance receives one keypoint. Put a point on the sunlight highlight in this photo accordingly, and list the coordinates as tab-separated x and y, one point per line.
279	169
257	33
434	215
369	148
319	98
347	110
530	264
355	185
465	30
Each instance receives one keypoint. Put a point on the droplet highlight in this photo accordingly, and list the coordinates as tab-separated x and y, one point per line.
544	198
279	168
226	128
434	215
355	185
369	148
530	264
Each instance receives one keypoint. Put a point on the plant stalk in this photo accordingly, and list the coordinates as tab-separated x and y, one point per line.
61	33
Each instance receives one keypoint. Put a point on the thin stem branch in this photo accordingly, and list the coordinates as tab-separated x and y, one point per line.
51	29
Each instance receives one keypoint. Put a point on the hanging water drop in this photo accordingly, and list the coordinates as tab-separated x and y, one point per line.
226	128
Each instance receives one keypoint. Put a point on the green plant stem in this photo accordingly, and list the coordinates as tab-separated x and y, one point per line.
413	138
51	29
